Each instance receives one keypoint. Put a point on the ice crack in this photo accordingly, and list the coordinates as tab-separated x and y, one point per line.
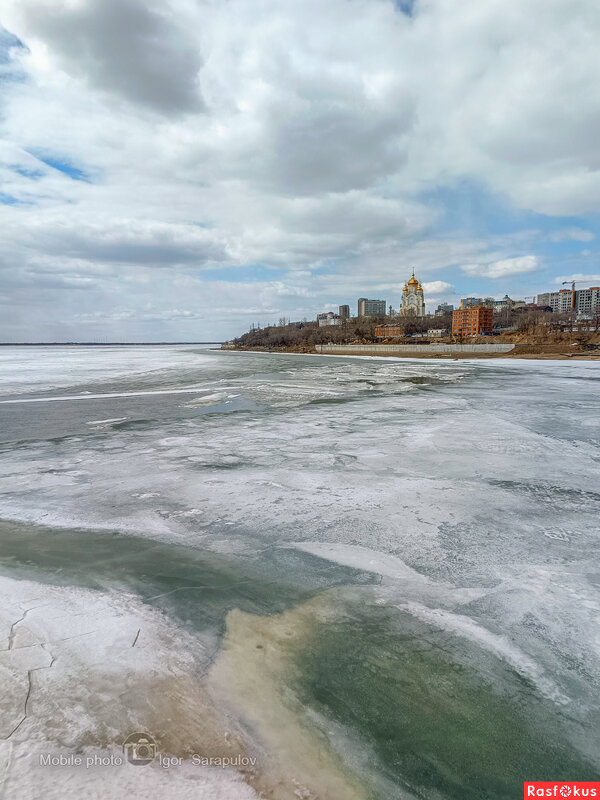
30	689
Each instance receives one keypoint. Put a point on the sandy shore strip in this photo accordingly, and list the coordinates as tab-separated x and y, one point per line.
593	355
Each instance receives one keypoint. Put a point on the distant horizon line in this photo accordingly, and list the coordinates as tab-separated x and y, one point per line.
94	344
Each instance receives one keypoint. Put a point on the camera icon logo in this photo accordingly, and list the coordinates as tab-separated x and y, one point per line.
140	748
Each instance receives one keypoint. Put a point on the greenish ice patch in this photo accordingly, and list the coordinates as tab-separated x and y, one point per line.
437	716
195	587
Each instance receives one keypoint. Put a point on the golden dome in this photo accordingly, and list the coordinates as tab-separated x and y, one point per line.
405	288
413	281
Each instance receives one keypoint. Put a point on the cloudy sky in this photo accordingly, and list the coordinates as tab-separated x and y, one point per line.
176	169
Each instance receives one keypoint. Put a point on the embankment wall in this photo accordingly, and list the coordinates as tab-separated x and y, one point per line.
434	347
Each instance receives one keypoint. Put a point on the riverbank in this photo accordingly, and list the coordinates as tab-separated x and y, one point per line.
556	351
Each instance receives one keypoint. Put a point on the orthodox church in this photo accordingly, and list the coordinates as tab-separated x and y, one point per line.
413	302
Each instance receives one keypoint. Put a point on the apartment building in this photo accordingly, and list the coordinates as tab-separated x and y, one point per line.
587	301
472	321
371	308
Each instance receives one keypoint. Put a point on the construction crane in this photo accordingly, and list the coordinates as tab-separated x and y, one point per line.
572	285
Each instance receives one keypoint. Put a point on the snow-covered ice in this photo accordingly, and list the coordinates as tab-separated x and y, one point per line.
464	493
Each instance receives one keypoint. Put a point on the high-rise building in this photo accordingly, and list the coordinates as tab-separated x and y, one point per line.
344	312
443	309
413	299
472	321
558	301
371	308
586	300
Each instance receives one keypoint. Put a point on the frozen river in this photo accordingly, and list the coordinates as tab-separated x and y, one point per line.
351	578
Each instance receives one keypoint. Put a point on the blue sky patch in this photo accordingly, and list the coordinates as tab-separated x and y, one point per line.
8	200
7	42
406	6
469	208
26	172
62	165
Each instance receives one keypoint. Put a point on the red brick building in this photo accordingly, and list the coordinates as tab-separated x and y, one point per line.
388	331
472	321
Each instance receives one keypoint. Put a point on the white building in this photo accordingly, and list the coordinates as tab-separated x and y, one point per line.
328	318
413	300
587	301
508	303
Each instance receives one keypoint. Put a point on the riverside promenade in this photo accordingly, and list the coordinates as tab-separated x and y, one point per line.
414	349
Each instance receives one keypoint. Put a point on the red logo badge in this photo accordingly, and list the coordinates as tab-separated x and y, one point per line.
560	789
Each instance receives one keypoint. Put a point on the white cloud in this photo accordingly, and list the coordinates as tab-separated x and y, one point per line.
437	287
572	234
503	268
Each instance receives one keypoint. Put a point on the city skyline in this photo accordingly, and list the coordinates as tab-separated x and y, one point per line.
174	171
587	300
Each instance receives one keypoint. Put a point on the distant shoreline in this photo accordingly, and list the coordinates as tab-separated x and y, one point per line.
373	353
96	344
